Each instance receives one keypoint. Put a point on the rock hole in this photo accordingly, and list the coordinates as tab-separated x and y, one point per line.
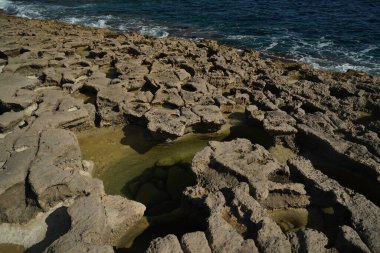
88	94
189	87
310	108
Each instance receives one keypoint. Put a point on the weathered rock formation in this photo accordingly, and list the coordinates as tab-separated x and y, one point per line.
56	79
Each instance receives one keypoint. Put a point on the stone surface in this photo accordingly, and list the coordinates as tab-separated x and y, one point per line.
165	123
122	214
308	241
364	215
57	78
55	173
167	244
195	242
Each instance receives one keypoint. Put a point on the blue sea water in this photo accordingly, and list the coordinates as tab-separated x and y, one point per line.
334	34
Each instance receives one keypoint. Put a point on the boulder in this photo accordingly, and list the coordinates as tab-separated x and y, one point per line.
89	230
55	175
167	244
122	215
195	242
279	123
164	123
211	117
308	240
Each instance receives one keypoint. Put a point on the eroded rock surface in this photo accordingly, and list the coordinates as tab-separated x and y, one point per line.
55	79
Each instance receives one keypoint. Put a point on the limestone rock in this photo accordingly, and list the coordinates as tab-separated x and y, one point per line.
89	231
364	215
308	240
122	214
224	238
164	123
211	117
195	242
279	123
349	241
55	173
167	244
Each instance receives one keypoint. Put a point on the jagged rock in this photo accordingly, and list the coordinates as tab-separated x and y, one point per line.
164	123
164	79
168	97
10	86
89	230
9	120
321	130
364	215
12	182
226	105
349	241
109	102
195	242
254	115
167	244
308	240
197	85
136	78
133	74
262	101
240	159
279	123
190	117
135	110
211	117
55	174
122	214
270	238
223	237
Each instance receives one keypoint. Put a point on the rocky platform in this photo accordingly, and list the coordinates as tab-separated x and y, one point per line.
56	79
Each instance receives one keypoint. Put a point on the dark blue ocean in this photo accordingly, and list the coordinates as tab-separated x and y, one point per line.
334	34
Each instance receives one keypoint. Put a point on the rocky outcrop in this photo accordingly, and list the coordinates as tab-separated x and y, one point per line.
363	214
236	208
97	223
55	79
168	244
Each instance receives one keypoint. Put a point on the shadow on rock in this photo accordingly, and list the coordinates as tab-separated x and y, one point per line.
160	187
254	134
58	224
137	138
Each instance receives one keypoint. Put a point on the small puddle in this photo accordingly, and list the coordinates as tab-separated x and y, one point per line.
121	154
11	248
281	153
290	219
326	219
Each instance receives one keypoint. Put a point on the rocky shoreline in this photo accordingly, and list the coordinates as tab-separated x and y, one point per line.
58	79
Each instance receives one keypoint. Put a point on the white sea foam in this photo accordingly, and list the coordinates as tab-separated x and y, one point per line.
271	46
324	44
101	23
241	37
73	20
157	31
4	4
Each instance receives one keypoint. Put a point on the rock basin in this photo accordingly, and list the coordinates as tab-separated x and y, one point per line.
156	173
